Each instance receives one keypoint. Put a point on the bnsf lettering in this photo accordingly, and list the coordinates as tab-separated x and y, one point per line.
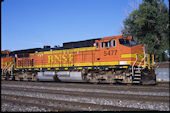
58	58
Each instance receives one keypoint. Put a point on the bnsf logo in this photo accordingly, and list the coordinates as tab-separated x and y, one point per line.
65	58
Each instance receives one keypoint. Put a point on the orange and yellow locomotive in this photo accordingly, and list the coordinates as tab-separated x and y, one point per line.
114	59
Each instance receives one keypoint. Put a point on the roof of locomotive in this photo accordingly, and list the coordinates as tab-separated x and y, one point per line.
5	52
71	45
32	50
68	45
78	44
116	37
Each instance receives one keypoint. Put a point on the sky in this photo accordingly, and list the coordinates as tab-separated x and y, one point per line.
29	24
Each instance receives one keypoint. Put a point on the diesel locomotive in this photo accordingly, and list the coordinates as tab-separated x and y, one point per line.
114	59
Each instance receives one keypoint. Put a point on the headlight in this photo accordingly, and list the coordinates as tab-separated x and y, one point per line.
123	62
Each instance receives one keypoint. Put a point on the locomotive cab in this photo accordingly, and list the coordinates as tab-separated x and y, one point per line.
112	42
121	49
124	52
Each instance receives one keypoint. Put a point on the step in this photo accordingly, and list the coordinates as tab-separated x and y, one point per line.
137	68
136	81
137	71
10	78
137	75
135	78
129	74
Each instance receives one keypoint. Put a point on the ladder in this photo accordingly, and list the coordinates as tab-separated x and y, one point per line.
136	72
137	76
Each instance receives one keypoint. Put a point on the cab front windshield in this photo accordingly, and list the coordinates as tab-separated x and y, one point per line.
126	42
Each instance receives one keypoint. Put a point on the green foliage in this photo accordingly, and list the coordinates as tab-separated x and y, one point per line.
149	25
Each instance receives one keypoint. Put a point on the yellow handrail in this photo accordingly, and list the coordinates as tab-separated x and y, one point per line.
148	60
153	64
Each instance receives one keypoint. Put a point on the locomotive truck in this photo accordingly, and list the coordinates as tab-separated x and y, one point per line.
114	59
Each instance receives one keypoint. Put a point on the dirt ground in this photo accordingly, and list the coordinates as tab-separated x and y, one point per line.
163	65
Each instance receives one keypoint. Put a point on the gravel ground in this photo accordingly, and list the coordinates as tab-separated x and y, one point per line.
159	87
66	105
100	101
29	96
8	107
91	90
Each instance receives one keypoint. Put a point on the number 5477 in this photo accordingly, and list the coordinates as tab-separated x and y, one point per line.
110	52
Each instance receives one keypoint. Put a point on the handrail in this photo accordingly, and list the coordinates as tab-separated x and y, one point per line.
9	65
153	59
148	61
142	60
134	64
6	67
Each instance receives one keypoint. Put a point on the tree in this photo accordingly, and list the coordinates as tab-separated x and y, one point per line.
149	25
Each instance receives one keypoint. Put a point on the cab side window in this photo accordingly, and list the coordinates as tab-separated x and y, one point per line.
113	43
102	44
110	43
97	44
106	44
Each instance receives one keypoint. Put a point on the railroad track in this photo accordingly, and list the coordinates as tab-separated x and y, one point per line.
59	105
44	96
160	86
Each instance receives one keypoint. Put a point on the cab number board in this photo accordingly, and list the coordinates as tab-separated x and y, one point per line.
110	52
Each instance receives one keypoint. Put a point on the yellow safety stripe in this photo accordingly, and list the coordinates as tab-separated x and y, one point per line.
79	64
140	55
128	56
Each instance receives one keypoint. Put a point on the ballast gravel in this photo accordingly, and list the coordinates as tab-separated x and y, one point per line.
101	101
91	90
10	107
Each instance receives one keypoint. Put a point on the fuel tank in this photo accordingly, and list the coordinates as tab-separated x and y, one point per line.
72	76
69	76
46	76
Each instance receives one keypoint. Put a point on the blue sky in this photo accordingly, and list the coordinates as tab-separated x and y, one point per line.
34	23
